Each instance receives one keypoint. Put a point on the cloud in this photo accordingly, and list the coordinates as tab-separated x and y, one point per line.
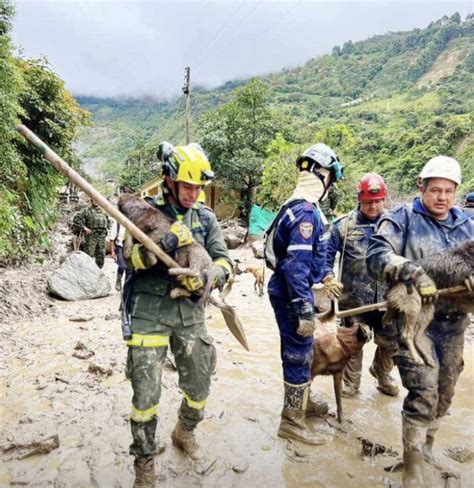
134	48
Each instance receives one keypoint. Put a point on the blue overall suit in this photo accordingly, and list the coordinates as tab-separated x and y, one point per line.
300	248
411	232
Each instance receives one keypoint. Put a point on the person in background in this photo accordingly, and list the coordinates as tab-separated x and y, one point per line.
93	224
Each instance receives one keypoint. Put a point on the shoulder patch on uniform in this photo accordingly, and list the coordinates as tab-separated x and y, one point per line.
306	229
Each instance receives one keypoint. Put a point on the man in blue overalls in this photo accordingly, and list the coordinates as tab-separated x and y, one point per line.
296	245
424	228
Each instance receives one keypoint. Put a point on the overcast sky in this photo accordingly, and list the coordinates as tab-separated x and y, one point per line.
134	47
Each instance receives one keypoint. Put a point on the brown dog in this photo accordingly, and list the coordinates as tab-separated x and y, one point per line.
332	352
193	258
258	272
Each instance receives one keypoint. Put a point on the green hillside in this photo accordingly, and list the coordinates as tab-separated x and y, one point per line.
403	96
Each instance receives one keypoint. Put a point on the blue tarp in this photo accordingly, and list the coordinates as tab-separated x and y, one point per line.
260	220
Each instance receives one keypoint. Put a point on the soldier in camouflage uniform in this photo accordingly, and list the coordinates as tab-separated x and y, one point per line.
158	321
93	224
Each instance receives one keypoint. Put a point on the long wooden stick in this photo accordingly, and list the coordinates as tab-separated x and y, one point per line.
380	305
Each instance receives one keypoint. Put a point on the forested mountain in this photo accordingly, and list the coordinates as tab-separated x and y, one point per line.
396	100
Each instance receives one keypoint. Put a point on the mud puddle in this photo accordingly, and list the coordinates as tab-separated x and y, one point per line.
47	392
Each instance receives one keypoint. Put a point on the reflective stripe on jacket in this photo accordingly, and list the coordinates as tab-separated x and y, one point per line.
300	246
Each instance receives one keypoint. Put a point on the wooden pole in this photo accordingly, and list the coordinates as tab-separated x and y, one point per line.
187	102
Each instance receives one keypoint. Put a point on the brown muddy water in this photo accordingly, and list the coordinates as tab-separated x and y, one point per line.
47	392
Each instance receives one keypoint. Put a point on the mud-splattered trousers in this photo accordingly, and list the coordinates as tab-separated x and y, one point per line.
350	237
300	246
431	390
158	321
410	232
195	357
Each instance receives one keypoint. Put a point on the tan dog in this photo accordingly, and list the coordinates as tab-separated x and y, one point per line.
332	352
258	272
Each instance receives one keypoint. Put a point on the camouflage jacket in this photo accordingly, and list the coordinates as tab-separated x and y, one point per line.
92	218
147	293
350	237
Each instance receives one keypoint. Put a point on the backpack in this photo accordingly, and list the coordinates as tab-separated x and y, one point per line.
269	255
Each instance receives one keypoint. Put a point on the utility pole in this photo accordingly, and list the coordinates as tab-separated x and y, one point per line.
187	101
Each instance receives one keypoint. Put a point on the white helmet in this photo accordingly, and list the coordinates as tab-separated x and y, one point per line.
442	167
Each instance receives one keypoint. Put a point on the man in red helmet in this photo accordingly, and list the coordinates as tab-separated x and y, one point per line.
350	237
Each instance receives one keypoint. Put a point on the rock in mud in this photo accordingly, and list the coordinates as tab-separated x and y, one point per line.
79	278
257	249
99	370
81	318
233	241
240	466
372	449
460	454
81	351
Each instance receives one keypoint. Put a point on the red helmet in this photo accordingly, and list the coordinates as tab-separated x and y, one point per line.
371	187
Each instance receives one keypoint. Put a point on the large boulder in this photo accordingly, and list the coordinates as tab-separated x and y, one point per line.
233	241
79	278
234	234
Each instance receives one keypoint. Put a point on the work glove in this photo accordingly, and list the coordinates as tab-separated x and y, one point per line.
306	320
426	287
178	236
194	284
218	275
136	255
332	286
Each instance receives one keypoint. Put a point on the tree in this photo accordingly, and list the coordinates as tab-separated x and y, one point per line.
31	93
236	136
279	174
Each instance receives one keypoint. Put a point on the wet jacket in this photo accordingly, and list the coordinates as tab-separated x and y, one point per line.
359	287
147	293
92	218
411	232
300	245
469	211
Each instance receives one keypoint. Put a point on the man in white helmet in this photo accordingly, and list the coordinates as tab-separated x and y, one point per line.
428	226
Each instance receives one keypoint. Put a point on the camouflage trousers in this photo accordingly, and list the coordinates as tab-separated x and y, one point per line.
94	246
431	390
195	357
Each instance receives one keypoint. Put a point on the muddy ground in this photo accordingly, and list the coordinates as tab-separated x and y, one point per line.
63	388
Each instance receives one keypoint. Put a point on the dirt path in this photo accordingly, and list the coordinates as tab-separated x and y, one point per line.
83	405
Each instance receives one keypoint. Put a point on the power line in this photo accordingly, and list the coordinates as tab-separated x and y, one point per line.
219	32
201	60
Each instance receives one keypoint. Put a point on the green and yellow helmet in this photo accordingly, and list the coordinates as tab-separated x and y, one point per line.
187	164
